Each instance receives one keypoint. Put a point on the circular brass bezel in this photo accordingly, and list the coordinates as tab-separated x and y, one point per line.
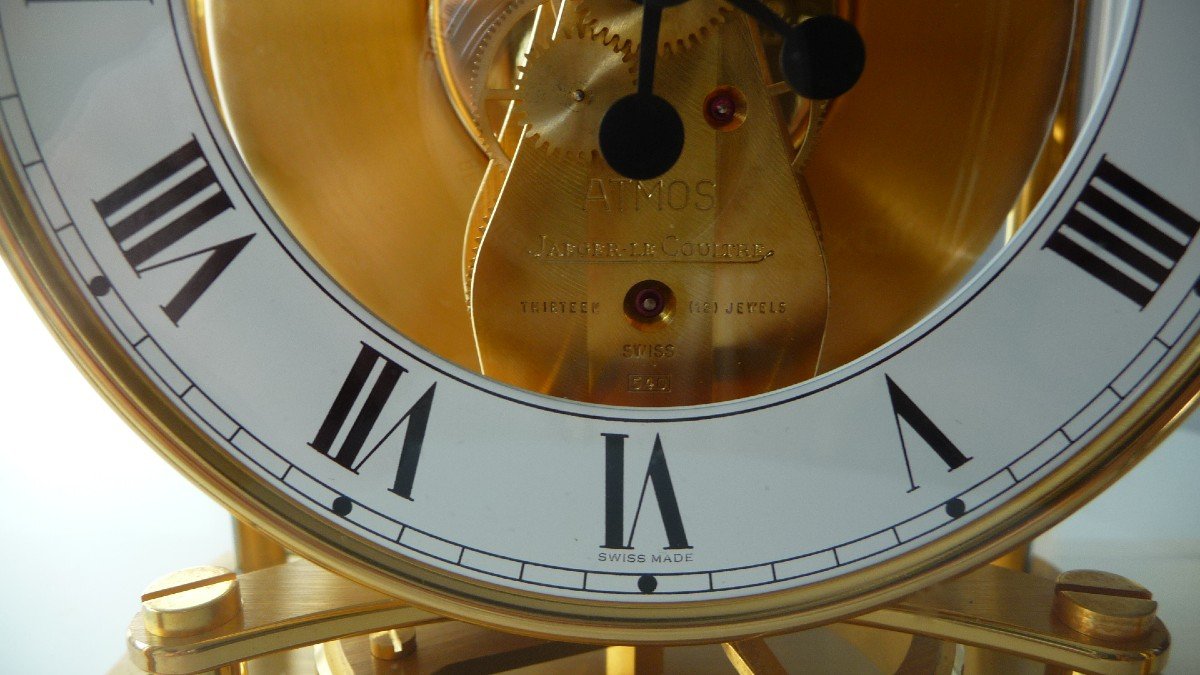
67	312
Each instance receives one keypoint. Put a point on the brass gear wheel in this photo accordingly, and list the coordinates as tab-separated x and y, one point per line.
620	21
489	48
567	86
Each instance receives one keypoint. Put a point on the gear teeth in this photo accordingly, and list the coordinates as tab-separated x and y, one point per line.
486	50
541	144
601	67
612	40
477	227
683	27
608	37
702	33
600	20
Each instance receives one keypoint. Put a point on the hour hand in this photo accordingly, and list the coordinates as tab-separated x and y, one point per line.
641	135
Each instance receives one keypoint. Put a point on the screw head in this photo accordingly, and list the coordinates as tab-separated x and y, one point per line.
394	644
191	601
725	108
722	108
1103	605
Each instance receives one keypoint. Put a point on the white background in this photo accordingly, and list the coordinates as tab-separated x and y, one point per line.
89	515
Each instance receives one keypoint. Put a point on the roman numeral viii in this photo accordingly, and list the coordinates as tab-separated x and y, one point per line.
366	392
904	409
1124	234
161	206
658	476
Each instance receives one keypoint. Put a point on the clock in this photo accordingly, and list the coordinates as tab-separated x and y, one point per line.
620	322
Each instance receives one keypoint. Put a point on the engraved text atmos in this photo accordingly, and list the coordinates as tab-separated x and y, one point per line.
620	195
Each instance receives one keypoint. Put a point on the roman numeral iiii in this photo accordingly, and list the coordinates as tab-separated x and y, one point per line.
1124	234
151	214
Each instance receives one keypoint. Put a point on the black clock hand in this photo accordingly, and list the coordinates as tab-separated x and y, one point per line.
822	57
764	15
648	57
641	135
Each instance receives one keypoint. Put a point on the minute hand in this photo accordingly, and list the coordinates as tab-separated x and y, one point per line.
651	26
822	57
764	15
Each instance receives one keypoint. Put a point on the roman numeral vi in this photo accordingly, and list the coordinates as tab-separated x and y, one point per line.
658	476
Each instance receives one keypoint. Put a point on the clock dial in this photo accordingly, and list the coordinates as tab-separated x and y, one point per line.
374	277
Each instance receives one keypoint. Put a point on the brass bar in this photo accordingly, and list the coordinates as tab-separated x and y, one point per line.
927	656
1056	670
255	550
1016	559
1008	611
301	604
980	660
641	660
977	660
753	657
284	607
455	647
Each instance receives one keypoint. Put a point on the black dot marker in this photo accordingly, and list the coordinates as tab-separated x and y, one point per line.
99	286
955	508
342	506
647	583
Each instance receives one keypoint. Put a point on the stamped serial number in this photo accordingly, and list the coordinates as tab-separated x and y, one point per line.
650	383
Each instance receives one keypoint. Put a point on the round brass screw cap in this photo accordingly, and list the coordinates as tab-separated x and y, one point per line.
191	601
1103	605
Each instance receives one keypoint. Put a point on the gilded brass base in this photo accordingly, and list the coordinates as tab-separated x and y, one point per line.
298	618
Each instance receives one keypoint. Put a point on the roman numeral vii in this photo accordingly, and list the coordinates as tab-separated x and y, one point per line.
161	206
657	476
365	392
